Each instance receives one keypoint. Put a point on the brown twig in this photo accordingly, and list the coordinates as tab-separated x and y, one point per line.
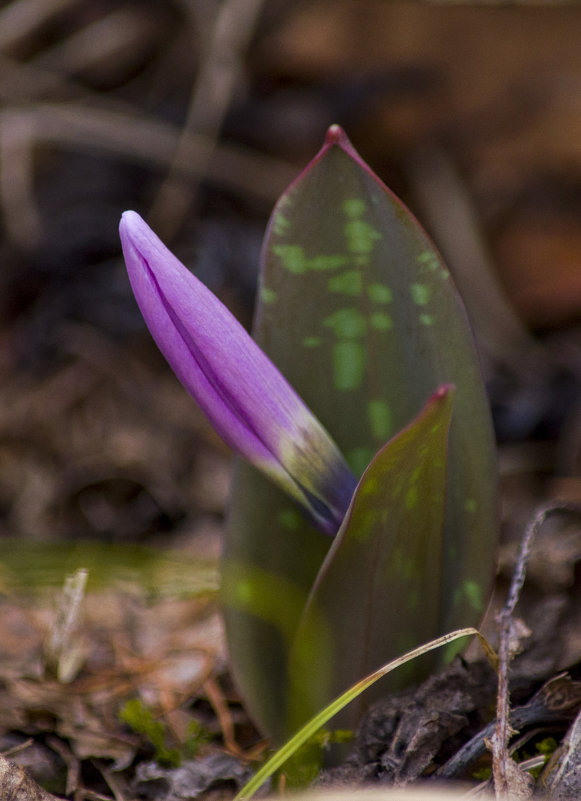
16	749
22	17
73	765
146	140
502	766
210	99
218	702
115	783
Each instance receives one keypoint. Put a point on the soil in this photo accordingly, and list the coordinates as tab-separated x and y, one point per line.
471	114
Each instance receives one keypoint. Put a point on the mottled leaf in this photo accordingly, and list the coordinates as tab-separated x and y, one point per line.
359	313
373	599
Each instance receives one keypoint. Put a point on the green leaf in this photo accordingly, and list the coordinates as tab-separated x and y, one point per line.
359	313
375	595
309	730
272	556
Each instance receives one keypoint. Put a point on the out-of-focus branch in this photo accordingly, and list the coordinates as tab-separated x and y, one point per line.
449	213
144	140
211	97
21	17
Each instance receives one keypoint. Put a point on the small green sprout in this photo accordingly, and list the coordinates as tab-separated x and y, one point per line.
141	720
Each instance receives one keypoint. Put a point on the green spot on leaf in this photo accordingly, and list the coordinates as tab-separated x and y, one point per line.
294	260
381	321
280	224
348	365
354	207
350	283
420	294
473	593
243	591
426	319
379	415
361	236
366	524
292	257
312	342
346	323
429	260
370	487
379	293
411	497
267	295
470	592
470	505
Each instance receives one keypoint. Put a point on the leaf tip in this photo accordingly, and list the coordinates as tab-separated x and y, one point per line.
337	136
443	391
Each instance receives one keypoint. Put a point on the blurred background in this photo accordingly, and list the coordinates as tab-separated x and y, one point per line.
197	114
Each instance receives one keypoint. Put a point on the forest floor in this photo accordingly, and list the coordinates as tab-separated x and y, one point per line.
472	115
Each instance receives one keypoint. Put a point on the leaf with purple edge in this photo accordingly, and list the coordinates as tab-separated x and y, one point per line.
376	594
358	311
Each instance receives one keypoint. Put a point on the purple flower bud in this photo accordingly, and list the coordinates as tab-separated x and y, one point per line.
243	395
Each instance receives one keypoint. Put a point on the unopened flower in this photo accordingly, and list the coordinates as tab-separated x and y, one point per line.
242	393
